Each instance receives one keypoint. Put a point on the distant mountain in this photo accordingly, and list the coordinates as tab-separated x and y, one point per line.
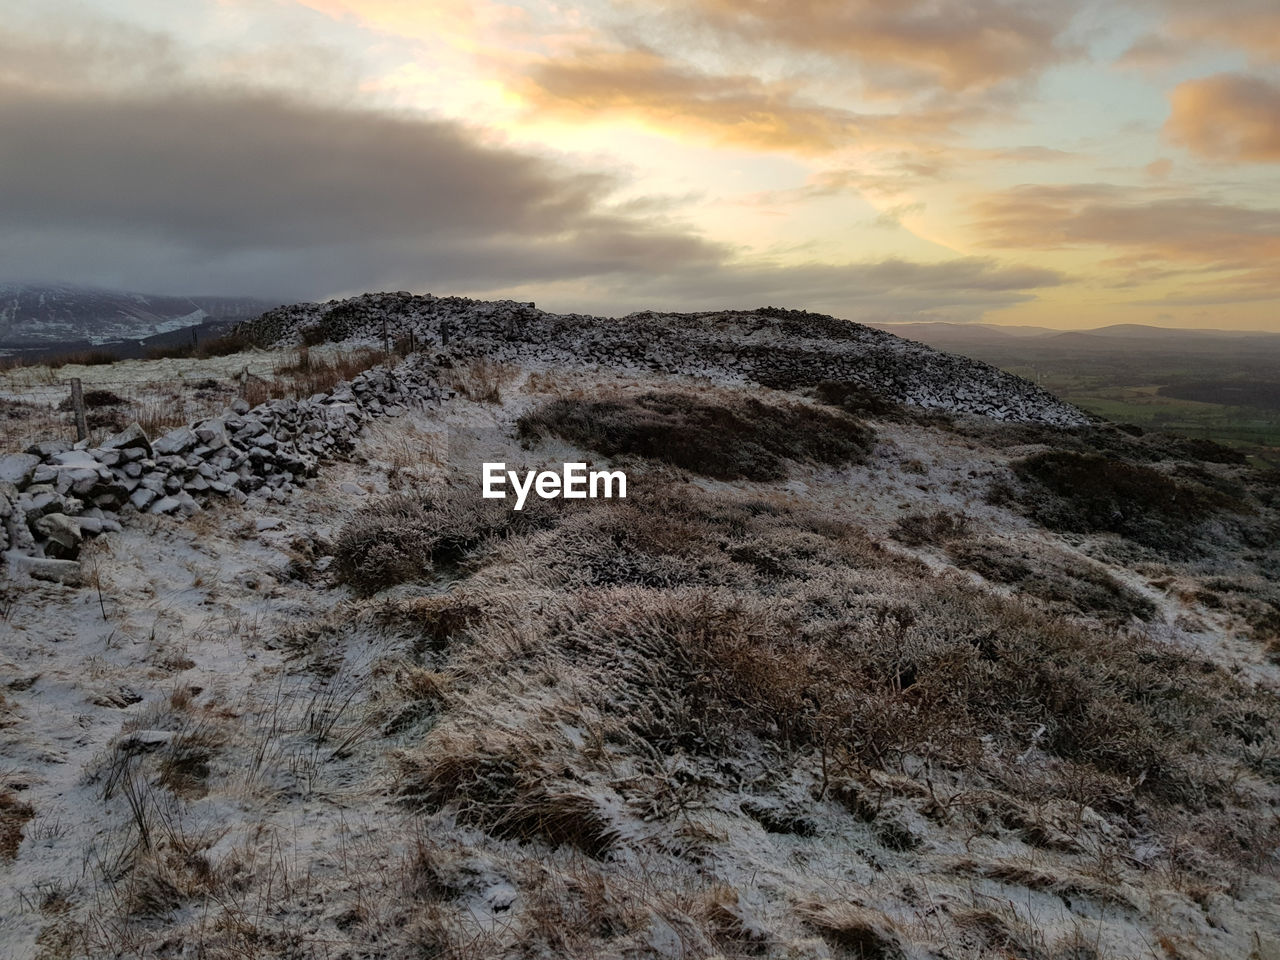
990	332
38	315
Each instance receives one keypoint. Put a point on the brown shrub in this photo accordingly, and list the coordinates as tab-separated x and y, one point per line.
916	529
1056	578
407	537
741	437
85	358
14	815
932	678
1091	493
502	787
170	351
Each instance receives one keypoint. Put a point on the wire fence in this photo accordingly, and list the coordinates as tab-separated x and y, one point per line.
36	403
45	412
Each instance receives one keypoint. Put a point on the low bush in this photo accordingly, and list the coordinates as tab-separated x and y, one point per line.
502	787
409	537
853	398
917	529
96	398
1063	582
728	438
1090	493
85	358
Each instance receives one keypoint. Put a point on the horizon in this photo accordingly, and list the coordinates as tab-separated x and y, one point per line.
1065	167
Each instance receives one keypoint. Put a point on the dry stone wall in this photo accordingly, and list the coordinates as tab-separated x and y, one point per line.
55	495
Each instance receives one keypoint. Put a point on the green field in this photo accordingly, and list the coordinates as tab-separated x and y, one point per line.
1252	430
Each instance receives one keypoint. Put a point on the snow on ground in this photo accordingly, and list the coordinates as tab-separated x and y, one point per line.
221	636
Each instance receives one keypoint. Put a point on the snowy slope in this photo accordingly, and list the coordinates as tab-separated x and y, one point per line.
36	314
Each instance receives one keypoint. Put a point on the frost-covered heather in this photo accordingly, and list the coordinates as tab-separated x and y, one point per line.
913	700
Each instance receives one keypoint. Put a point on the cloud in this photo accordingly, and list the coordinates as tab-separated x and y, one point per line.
963	289
959	45
1227	117
267	190
1190	229
128	162
737	110
1250	25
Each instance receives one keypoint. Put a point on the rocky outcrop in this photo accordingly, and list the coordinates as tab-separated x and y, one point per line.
774	347
56	495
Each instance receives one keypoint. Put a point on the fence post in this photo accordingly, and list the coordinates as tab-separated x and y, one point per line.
77	404
386	344
444	332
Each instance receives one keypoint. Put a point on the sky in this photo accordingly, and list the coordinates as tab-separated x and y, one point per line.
1043	162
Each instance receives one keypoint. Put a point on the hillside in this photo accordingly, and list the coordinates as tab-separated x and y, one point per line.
885	653
35	315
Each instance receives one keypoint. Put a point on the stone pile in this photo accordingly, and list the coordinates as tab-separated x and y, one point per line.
57	494
775	347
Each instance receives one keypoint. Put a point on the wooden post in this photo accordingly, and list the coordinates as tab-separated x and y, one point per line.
195	339
386	344
77	404
444	332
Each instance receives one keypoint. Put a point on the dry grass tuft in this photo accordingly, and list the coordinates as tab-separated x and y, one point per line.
481	379
863	932
941	526
14	816
502	787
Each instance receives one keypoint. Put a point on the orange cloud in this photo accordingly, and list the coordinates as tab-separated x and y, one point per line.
1177	229
1251	25
737	110
1232	249
959	44
1228	117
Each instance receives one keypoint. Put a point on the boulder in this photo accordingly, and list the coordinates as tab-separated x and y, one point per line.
60	529
78	459
47	448
41	568
132	437
142	497
18	468
175	442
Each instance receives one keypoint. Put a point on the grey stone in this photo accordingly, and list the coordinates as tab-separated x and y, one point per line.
132	437
175	441
59	528
18	468
66	572
47	448
142	497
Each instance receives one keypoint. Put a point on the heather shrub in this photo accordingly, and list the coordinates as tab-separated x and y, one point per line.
1065	583
853	398
917	529
409	537
727	438
934	678
503	786
1090	493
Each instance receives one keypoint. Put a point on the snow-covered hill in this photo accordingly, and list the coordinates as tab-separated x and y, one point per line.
774	347
45	314
839	677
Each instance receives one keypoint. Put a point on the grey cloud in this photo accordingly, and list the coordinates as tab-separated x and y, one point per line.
961	290
259	189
